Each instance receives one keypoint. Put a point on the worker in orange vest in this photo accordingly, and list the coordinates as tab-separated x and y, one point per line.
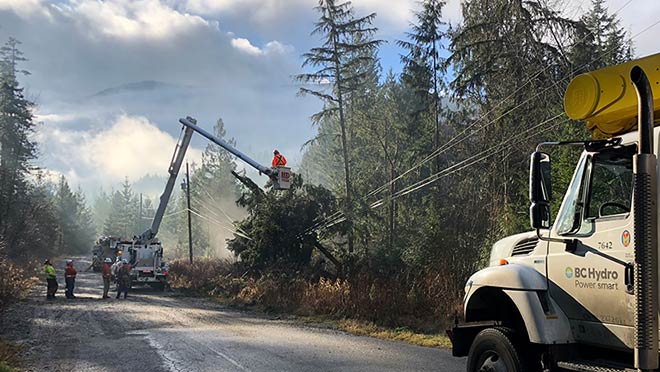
278	159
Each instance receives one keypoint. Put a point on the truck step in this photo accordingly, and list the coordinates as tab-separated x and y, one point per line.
594	366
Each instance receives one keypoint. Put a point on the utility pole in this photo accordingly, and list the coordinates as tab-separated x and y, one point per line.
190	249
140	216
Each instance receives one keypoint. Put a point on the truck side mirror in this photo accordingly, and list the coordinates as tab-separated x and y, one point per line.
540	190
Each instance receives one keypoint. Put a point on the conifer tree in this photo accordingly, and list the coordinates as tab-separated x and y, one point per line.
424	67
346	43
17	149
601	41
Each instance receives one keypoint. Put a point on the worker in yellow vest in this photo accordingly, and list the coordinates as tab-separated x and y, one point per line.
51	280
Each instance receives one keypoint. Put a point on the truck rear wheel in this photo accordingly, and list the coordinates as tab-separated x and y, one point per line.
497	350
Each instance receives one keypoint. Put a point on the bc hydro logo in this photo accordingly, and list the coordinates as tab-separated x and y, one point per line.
569	272
625	238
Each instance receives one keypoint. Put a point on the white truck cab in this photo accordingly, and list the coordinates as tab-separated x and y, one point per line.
571	295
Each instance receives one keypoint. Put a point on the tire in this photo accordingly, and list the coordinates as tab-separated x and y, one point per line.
498	350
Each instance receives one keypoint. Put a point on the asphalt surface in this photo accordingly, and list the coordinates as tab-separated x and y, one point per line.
156	331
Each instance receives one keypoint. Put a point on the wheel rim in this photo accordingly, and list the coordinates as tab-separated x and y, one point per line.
492	362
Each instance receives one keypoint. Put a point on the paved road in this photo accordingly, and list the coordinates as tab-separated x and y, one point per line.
153	331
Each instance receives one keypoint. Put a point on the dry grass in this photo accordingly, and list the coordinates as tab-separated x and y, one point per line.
413	307
198	276
401	334
8	356
15	281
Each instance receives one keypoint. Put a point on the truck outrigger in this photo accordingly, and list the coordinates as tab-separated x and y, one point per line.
580	294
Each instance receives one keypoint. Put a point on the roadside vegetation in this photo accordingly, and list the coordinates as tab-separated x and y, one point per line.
409	307
8	356
15	283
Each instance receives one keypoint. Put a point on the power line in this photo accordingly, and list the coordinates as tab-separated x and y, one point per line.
173	213
217	223
465	163
217	205
496	149
451	143
203	205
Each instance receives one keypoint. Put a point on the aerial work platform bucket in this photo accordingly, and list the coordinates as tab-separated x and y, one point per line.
282	178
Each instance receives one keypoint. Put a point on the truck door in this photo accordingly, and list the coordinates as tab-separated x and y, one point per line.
588	279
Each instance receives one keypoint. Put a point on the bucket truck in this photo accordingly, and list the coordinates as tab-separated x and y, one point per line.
145	252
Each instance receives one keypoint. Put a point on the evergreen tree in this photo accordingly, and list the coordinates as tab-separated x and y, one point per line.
347	42
214	176
424	68
74	219
16	147
601	41
123	218
285	244
86	230
66	215
101	207
506	56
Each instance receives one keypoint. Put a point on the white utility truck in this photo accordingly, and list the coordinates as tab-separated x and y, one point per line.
580	294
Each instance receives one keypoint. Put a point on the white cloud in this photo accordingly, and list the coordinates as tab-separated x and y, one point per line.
272	47
131	147
245	46
261	10
54	118
452	11
636	17
277	47
122	19
25	8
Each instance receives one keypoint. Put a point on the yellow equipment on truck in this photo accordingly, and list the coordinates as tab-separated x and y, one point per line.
580	293
606	100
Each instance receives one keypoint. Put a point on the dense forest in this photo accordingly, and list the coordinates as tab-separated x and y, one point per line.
428	168
407	184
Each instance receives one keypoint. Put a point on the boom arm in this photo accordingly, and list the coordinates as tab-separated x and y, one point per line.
191	123
175	165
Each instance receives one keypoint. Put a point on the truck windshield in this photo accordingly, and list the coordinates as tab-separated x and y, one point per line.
568	220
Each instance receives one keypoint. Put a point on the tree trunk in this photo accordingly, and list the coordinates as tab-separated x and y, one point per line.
344	143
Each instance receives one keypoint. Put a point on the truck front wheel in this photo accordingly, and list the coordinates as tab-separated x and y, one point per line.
497	350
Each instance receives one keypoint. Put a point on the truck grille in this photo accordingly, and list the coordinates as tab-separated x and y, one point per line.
524	247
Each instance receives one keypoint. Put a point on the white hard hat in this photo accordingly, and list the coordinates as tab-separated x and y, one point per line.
69	261
124	261
108	260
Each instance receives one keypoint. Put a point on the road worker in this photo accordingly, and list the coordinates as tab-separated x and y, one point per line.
123	278
106	273
278	160
51	280
114	269
70	278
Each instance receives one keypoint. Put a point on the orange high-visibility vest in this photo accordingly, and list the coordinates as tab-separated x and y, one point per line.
278	161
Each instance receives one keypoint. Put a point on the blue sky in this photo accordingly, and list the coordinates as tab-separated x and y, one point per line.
206	58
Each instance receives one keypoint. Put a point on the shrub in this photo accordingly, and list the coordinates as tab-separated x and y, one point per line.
15	282
8	356
200	275
421	300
